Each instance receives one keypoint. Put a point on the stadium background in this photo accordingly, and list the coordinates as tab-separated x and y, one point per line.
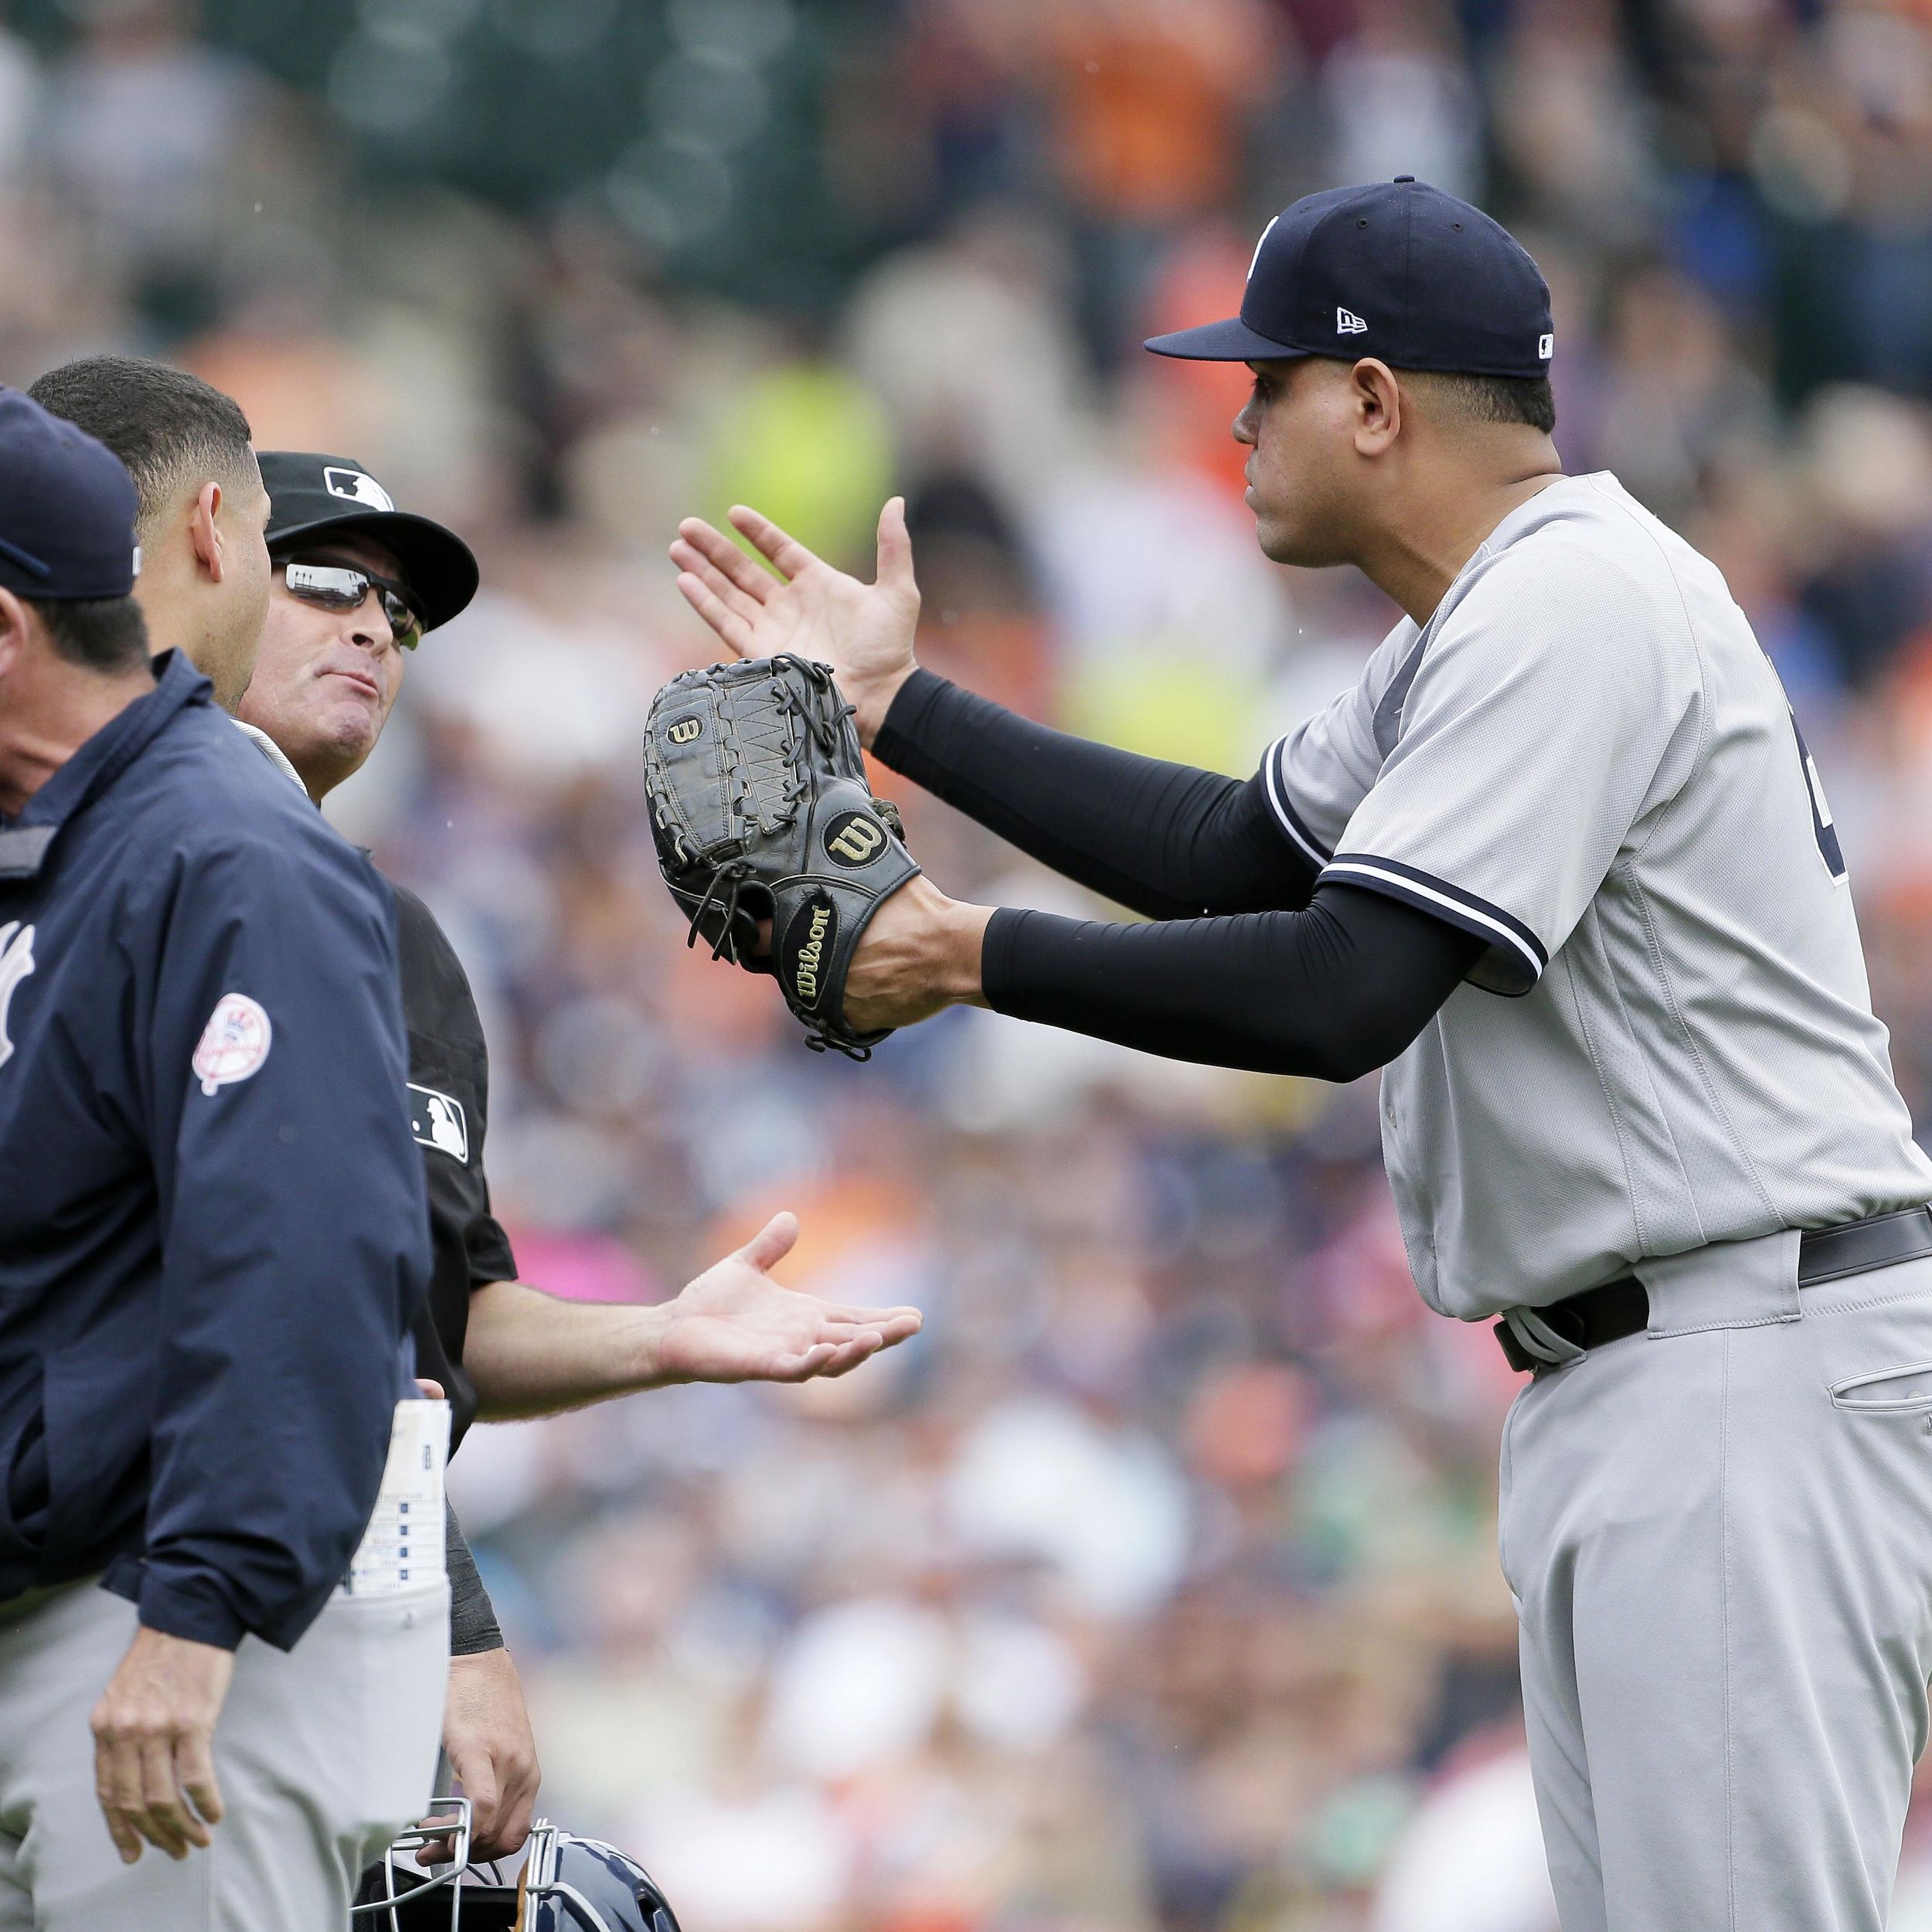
1153	1587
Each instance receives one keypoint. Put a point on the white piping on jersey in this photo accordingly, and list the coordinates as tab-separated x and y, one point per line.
1278	799
1403	883
272	752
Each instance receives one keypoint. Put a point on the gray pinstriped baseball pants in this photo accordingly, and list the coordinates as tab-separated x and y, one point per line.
1718	1535
321	1754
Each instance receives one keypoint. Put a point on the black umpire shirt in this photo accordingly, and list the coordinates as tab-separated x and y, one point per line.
449	1095
449	1098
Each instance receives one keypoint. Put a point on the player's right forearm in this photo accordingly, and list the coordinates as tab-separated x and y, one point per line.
1170	841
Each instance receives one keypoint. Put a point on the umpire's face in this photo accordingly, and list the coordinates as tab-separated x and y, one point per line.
326	677
1305	424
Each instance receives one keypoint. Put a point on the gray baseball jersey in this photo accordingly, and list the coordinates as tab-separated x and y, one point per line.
1585	760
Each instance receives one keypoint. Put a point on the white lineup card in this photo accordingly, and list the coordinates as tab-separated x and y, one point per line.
402	1549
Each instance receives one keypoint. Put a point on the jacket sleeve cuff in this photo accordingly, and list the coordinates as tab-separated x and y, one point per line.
189	1604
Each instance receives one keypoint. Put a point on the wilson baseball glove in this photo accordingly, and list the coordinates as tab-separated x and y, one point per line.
761	811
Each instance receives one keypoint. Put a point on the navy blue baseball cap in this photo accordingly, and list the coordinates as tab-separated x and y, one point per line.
1399	270
66	509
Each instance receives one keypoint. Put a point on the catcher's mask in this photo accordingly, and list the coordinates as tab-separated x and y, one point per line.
567	1884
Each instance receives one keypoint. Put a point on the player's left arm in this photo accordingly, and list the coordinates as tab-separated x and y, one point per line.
529	1353
1330	992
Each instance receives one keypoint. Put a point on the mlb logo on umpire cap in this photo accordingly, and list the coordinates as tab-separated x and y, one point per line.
358	488
313	497
1399	270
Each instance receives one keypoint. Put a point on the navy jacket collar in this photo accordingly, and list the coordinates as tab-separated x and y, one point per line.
25	842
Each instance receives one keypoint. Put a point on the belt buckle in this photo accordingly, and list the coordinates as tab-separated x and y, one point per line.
1564	1335
1513	1352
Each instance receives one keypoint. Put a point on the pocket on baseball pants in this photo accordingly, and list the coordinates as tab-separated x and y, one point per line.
1886	1392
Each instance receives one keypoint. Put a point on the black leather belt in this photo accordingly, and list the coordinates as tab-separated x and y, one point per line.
1621	1307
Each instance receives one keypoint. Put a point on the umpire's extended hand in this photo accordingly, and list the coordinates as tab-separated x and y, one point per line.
154	1744
733	1323
863	631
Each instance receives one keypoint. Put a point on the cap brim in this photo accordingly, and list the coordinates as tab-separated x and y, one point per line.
1230	342
439	567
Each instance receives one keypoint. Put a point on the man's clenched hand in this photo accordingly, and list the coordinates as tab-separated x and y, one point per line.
486	1731
735	1324
153	1744
863	631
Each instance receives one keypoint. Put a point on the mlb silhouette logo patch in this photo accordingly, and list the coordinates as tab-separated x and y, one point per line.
234	1044
438	1120
1347	322
358	487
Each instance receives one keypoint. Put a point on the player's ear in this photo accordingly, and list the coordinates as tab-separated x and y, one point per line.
13	631
204	533
1376	400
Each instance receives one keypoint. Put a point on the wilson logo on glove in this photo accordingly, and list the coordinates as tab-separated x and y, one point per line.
854	839
774	821
815	931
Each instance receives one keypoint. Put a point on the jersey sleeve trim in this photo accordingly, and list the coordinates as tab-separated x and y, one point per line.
1516	958
1273	771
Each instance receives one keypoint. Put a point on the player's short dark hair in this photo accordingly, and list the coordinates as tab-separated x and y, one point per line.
105	634
1496	398
168	427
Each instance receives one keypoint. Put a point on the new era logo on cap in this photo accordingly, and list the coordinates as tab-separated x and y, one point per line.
1347	322
358	487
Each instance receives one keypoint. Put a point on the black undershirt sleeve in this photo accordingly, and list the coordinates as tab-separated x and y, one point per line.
1169	841
1331	992
473	1625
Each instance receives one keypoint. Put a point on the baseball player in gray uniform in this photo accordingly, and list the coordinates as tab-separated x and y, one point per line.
1560	864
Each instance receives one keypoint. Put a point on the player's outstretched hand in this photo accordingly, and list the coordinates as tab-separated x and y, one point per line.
153	1744
735	1324
863	631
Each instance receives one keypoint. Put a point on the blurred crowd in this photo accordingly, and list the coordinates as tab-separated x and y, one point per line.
1154	1586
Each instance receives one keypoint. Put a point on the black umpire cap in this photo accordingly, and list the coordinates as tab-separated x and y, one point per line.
66	509
309	496
1399	270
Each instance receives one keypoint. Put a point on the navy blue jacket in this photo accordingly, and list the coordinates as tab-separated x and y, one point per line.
213	1237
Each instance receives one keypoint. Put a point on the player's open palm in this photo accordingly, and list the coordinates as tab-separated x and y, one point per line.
863	631
735	1324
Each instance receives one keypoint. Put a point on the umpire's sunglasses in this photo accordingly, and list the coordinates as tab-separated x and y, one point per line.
341	587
